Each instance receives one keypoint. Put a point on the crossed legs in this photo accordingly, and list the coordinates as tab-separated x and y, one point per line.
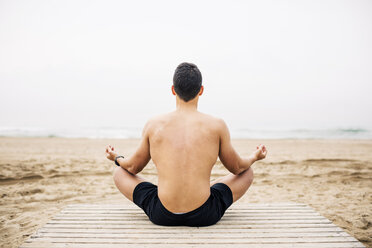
238	184
126	182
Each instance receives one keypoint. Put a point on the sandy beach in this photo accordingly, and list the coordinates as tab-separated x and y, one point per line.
40	176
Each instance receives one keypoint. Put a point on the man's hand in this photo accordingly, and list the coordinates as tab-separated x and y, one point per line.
110	153
261	152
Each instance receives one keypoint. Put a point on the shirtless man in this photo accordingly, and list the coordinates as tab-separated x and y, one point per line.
184	146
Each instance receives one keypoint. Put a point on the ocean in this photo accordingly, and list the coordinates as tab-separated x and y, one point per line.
239	133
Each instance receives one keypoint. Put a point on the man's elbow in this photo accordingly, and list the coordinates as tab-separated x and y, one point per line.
234	168
133	170
237	168
237	171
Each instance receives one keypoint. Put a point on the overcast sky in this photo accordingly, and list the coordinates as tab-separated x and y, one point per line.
284	64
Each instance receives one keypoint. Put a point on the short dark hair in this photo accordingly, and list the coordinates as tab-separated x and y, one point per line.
187	81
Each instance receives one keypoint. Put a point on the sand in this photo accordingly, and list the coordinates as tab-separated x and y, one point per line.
40	176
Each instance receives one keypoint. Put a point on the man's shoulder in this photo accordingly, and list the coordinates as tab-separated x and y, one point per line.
157	118
211	118
156	121
211	121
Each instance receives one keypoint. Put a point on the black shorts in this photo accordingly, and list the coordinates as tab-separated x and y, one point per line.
145	195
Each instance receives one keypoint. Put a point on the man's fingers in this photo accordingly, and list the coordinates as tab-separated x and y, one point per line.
110	148
264	153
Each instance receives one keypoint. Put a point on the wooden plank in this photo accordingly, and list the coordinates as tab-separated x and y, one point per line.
185	235
224	221
254	225
196	240
217	226
176	230
282	245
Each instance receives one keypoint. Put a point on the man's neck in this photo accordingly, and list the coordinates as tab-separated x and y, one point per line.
191	105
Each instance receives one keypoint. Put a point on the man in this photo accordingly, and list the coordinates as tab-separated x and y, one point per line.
184	146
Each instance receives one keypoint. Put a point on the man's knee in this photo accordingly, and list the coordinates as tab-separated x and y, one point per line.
117	174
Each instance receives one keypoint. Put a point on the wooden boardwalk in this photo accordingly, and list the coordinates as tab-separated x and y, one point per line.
254	225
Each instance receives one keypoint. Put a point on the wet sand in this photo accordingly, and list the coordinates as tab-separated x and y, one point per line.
40	176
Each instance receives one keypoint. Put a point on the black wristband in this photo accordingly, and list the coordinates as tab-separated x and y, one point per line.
116	159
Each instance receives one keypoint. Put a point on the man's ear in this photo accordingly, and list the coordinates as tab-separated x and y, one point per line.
173	91
201	90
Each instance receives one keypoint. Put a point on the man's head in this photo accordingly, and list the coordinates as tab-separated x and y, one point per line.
187	81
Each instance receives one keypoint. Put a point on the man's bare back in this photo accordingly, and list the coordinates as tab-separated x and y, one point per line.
184	146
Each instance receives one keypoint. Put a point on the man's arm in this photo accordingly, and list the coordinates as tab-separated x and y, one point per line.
230	158
135	163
